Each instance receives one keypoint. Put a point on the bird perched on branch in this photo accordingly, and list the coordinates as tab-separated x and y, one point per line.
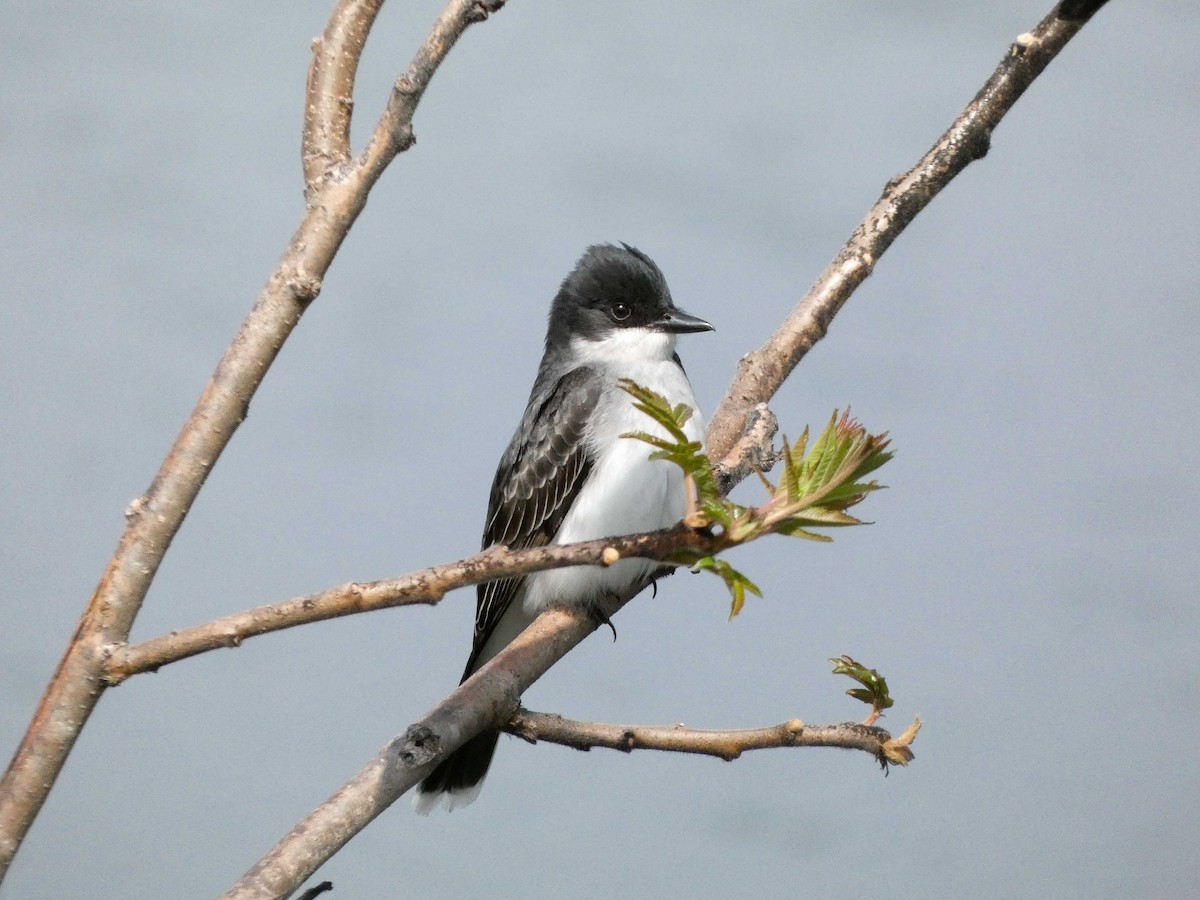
568	475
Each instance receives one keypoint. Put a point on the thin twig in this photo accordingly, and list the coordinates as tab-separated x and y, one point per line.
761	372
154	518
426	586
727	745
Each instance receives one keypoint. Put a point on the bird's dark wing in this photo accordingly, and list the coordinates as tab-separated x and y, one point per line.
539	476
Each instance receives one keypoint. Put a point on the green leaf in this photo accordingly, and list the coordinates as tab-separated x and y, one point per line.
874	690
820	484
737	583
677	448
794	529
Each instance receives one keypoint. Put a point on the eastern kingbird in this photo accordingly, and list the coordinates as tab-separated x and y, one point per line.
568	475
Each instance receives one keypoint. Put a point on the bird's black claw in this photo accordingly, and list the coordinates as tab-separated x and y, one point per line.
602	619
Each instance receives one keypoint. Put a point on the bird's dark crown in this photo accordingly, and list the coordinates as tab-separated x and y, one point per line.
610	287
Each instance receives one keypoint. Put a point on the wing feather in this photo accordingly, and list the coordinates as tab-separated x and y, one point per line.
539	476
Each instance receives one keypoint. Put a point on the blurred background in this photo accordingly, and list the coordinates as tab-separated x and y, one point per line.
1029	584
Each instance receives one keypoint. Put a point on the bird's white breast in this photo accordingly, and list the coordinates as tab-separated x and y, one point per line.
626	492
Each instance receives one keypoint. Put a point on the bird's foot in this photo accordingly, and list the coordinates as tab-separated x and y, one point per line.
600	617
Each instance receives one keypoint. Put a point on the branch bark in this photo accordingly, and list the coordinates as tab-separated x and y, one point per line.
727	745
334	200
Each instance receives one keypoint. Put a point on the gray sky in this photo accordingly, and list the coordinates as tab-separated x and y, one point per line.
1029	584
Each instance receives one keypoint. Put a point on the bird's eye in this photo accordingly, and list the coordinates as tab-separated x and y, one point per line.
620	311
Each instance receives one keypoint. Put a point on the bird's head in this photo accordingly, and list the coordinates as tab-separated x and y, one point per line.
616	296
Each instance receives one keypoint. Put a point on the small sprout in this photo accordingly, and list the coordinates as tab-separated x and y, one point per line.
609	555
874	688
710	506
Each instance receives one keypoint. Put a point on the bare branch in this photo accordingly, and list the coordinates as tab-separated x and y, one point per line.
426	586
154	518
330	96
728	745
761	372
755	451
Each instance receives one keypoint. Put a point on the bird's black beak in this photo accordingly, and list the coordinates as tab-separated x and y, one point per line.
677	321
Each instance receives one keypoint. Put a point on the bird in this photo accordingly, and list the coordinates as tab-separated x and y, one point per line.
568	475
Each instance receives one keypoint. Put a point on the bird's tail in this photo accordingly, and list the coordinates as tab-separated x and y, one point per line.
460	775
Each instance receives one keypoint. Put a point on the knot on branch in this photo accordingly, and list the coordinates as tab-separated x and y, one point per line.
481	9
754	452
403	137
419	745
978	144
136	507
303	288
1021	44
